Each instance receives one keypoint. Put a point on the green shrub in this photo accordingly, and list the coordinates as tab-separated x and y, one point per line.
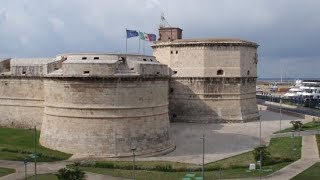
70	174
296	125
109	165
164	167
265	154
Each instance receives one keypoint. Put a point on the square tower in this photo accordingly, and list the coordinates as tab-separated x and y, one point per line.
169	33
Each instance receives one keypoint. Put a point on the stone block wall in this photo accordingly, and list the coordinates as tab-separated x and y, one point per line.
21	102
105	117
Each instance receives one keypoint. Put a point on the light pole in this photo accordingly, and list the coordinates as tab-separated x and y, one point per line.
260	146
203	139
280	111
25	162
134	162
35	152
292	142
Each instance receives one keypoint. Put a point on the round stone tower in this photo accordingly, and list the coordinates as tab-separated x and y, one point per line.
103	105
212	80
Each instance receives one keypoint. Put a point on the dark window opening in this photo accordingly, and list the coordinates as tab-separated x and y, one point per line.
176	52
158	72
131	68
144	59
24	72
174	115
220	72
6	84
175	72
86	72
151	60
84	58
56	69
248	72
171	52
171	90
96	58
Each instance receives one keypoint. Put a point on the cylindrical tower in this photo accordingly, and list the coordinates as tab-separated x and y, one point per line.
212	80
103	105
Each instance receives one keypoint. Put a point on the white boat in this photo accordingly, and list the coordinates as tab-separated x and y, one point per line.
306	89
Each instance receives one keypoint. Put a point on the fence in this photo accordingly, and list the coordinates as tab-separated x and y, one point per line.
298	101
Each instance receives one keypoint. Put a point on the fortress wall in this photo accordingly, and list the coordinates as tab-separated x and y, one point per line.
21	102
248	100
249	60
206	100
105	117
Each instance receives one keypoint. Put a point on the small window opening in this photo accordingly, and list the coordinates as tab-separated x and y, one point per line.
171	90
84	58
151	60
144	59
176	52
169	38
56	68
24	72
175	72
158	72
171	52
248	72
6	84
220	72
131	68
174	115
86	72
96	58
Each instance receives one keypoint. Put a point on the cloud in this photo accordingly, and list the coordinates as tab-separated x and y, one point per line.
287	31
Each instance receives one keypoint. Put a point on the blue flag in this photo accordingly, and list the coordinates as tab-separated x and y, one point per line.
132	33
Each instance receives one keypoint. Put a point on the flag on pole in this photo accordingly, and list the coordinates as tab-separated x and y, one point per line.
147	37
132	33
152	37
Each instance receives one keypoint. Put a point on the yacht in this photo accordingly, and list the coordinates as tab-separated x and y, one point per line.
306	89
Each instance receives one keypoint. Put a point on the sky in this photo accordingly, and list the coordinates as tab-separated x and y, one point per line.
286	30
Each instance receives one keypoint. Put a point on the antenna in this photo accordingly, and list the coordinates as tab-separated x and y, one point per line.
163	21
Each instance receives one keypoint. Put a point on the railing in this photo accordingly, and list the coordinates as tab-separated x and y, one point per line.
297	101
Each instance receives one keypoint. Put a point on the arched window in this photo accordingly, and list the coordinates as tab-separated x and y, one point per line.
248	72
220	72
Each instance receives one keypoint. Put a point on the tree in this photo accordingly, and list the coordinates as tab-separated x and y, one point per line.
296	125
70	174
265	154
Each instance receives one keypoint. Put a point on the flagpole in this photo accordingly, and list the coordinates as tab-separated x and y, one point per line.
126	42
144	46
139	43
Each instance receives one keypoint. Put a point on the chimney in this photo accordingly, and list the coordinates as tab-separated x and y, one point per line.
169	33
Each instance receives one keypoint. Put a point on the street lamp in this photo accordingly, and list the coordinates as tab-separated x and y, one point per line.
260	146
35	152
133	149
203	139
280	111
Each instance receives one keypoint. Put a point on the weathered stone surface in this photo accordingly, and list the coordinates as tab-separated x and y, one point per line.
212	80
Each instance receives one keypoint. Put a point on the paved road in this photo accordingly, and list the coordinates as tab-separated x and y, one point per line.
222	140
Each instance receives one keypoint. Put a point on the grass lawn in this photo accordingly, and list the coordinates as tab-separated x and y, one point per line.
18	144
6	171
44	177
311	173
233	167
307	126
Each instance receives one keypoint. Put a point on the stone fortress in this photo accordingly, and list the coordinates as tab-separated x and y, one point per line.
105	104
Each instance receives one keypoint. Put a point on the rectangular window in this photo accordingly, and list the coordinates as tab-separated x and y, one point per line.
96	58
84	58
86	72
